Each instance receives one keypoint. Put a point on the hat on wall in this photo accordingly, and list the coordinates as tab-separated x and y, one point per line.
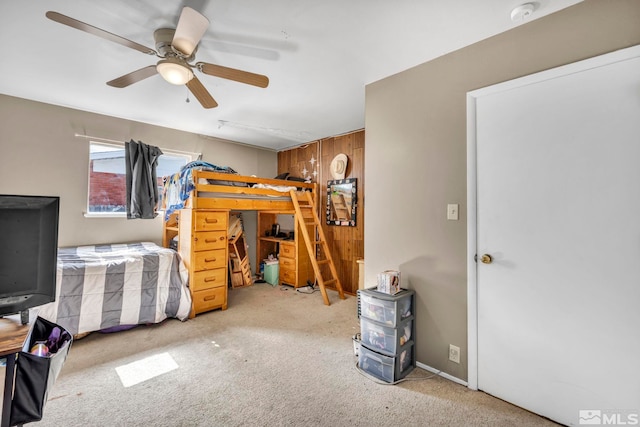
339	166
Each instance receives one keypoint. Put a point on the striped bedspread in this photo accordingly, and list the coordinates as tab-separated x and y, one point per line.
106	286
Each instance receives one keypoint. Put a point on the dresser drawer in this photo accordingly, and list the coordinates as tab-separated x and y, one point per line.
287	249
205	240
208	221
288	277
209	299
287	263
208	279
207	260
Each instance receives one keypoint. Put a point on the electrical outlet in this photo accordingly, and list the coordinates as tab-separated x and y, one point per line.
454	353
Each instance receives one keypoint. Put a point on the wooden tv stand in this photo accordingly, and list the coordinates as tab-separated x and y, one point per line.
13	334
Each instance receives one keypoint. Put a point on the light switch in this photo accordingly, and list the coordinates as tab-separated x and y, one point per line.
452	212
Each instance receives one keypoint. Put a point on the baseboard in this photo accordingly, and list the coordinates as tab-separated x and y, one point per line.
442	374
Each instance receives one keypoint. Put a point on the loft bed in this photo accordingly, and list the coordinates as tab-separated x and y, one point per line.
236	192
206	189
197	202
197	227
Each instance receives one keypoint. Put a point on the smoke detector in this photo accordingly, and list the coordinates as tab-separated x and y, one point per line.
522	12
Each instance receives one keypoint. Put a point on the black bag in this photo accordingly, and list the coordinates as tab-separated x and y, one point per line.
35	375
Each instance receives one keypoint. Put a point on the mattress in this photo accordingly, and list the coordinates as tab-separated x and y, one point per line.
106	286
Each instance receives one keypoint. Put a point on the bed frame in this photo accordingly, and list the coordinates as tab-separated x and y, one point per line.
203	235
209	196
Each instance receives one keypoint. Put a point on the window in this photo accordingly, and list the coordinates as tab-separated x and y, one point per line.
107	176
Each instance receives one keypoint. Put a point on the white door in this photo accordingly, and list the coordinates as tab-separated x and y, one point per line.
558	210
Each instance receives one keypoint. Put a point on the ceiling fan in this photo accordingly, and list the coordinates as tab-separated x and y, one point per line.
176	49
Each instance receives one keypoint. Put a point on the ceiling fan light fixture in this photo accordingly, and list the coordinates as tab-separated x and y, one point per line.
174	71
176	49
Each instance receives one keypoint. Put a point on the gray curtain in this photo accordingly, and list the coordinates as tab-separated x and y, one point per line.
142	184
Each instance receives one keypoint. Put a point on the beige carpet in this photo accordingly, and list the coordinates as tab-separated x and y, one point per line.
274	358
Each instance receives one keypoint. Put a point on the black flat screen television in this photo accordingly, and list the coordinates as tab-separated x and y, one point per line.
28	251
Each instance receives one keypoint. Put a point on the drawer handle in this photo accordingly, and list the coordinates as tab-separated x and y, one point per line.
211	220
209	297
213	240
209	260
209	279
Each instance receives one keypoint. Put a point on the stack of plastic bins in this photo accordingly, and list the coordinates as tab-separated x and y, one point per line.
387	333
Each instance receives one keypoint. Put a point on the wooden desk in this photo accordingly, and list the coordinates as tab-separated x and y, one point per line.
295	267
12	338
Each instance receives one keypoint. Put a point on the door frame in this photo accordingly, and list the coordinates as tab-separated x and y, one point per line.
472	202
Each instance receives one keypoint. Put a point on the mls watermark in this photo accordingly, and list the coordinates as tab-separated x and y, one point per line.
608	417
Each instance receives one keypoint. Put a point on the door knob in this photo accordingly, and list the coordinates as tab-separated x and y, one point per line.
486	259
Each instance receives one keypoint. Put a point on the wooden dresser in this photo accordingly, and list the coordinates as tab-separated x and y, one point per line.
294	263
295	267
203	246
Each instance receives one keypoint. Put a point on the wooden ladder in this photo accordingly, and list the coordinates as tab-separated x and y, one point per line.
308	217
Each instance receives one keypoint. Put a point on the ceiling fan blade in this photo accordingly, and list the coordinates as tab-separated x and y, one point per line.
191	27
233	74
201	93
133	77
79	25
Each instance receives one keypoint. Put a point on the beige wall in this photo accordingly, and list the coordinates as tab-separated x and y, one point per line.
39	154
416	158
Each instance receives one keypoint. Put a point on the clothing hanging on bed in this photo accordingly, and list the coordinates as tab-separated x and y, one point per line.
177	187
142	184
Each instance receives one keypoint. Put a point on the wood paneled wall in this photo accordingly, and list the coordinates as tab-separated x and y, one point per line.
346	243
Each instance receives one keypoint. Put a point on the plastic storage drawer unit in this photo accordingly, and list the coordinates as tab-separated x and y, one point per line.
386	339
384	308
387	368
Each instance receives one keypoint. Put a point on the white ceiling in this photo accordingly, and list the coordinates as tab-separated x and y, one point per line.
318	55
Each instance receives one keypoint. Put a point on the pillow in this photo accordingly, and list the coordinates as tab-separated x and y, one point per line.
282	175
